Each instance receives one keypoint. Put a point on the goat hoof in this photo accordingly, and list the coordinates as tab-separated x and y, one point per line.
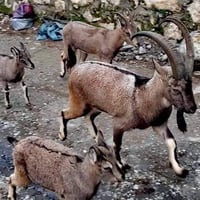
62	75
184	173
126	167
61	137
9	106
29	106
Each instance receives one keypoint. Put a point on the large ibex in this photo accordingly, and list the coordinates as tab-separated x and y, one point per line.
132	100
188	59
102	42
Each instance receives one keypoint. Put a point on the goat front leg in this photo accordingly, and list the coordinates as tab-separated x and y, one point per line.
11	190
172	149
26	97
76	109
6	96
18	178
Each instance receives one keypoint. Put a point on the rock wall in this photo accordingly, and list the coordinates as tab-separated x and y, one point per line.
92	9
101	12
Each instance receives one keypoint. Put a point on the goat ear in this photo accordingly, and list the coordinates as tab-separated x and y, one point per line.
100	139
22	46
158	68
92	154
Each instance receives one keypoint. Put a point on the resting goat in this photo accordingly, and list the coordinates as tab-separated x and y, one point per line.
102	42
12	70
57	168
132	100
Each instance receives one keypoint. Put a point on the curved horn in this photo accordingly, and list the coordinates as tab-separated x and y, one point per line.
15	51
176	61
188	42
122	16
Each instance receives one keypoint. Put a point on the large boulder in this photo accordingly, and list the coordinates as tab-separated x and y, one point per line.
194	10
196	42
172	5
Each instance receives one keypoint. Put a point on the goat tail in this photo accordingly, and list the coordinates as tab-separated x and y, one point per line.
181	121
71	59
12	140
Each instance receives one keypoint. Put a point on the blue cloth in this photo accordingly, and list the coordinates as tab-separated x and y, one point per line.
50	30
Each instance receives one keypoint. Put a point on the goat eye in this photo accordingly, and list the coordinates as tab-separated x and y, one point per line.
176	91
107	165
23	61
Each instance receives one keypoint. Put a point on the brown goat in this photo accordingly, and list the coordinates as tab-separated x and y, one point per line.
189	58
59	169
133	101
102	42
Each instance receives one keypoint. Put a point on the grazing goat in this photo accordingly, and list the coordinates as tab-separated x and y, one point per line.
133	101
102	42
189	58
12	70
58	169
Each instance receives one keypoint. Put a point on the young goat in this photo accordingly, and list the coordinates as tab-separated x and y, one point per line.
132	100
102	42
57	168
12	71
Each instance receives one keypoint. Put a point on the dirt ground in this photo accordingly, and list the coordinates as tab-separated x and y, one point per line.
150	176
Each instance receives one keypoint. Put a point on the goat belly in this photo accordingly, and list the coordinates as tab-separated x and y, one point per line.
17	77
102	86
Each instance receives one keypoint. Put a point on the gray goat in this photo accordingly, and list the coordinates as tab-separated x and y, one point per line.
132	100
57	168
102	42
12	70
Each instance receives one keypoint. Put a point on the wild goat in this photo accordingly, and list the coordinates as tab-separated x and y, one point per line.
102	42
133	101
188	58
58	168
12	70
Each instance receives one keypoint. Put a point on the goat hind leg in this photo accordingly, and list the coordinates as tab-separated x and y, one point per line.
172	150
83	56
6	96
63	64
90	122
63	68
117	139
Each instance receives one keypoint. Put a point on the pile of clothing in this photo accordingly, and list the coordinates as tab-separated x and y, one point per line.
50	29
23	16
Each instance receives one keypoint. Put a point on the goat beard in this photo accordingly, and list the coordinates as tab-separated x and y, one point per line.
181	120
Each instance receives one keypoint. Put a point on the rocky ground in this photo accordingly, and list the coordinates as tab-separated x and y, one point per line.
150	176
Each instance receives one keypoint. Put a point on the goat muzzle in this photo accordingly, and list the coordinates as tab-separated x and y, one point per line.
191	109
32	66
